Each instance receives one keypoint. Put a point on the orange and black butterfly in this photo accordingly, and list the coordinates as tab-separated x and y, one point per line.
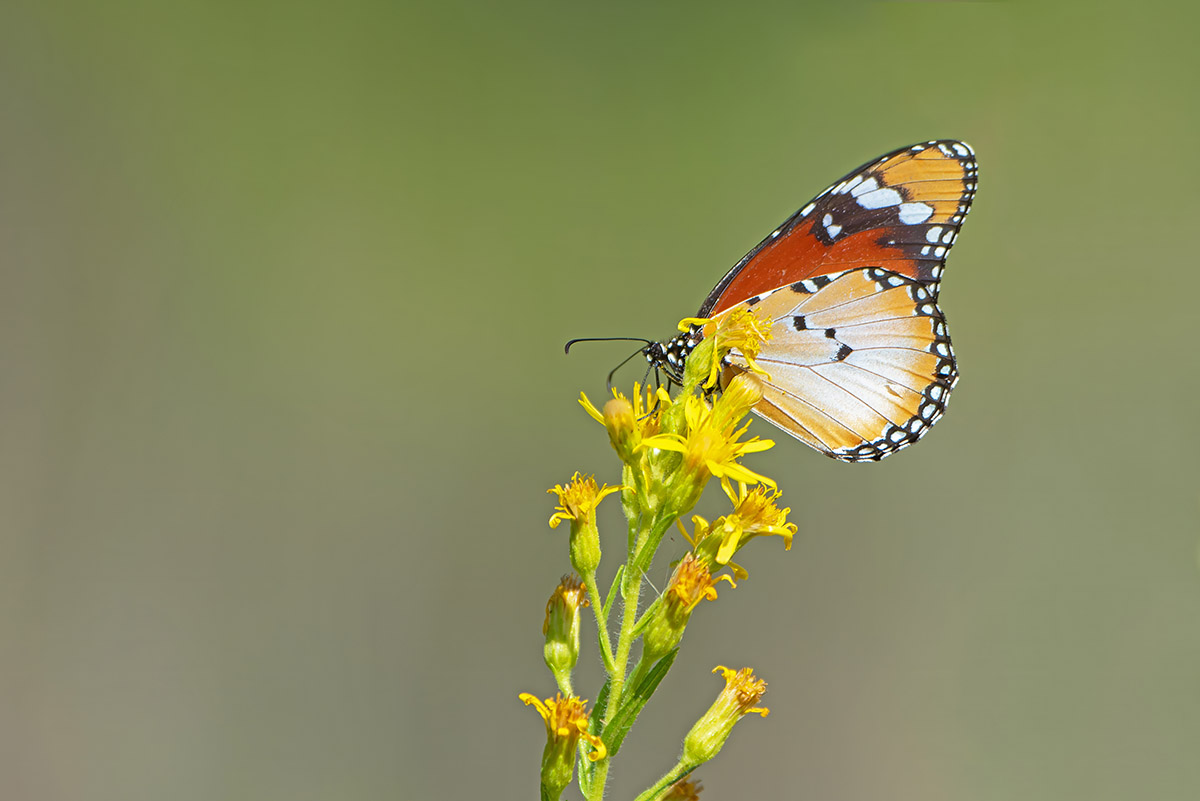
860	361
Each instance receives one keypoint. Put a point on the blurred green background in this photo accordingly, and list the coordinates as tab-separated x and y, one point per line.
285	288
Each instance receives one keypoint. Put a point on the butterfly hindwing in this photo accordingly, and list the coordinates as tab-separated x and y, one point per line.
860	362
901	213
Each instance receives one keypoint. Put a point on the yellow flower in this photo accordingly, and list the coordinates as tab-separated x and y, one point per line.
739	329
567	723
690	584
711	447
577	502
628	423
755	514
567	719
705	548
737	399
743	690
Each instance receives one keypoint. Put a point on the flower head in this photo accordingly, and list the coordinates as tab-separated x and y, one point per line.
743	690
711	446
566	724
690	584
577	502
739	329
755	514
629	421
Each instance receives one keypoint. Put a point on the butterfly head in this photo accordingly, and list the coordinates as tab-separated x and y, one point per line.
670	356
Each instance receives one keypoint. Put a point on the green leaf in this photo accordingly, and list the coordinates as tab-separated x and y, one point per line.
598	707
612	592
587	772
623	720
640	626
587	768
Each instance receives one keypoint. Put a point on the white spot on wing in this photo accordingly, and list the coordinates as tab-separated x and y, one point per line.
915	213
880	199
858	186
933	234
833	230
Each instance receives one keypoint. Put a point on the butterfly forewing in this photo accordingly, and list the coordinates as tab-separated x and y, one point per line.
901	213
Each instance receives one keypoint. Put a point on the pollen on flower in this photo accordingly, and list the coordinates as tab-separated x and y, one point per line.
566	721
578	500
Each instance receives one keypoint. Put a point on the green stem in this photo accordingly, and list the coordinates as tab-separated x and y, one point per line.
648	544
593	591
673	775
631	587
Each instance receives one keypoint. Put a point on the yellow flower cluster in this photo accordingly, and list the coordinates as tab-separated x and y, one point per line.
670	449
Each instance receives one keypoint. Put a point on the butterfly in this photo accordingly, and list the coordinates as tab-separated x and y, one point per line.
860	363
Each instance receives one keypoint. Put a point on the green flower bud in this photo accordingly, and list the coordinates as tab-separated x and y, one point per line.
562	628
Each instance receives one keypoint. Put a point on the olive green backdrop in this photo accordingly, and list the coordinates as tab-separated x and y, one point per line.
283	293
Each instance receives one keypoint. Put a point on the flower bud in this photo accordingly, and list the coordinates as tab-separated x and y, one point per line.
622	427
561	628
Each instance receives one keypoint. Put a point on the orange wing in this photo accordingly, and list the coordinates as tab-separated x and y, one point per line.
860	362
900	213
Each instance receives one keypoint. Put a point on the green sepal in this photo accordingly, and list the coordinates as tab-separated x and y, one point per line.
623	720
612	592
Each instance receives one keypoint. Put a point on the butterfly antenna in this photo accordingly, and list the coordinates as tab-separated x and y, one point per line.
567	349
608	381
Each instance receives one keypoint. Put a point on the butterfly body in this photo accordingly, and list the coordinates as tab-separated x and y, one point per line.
859	363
